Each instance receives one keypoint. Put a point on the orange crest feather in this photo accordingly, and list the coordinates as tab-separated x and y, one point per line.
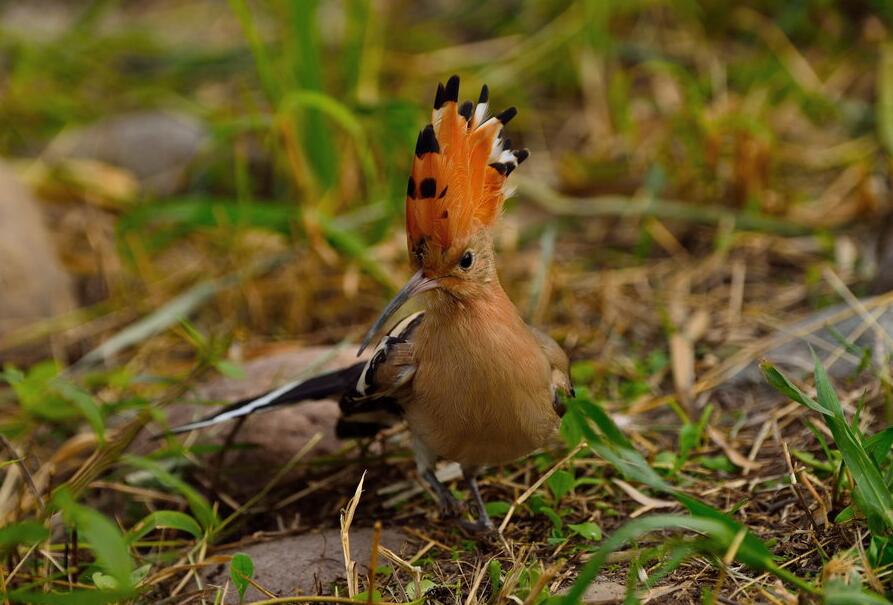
459	171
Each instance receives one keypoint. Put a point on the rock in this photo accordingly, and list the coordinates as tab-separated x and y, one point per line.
33	282
155	146
794	357
38	21
304	564
272	437
604	592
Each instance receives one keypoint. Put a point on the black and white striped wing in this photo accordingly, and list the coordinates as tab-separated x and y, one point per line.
375	402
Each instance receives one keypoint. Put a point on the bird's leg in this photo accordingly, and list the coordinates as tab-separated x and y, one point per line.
449	505
425	460
483	524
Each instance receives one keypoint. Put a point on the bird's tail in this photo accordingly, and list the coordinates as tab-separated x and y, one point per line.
329	385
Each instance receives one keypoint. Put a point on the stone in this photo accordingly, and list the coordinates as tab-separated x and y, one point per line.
794	357
272	437
33	282
38	21
604	592
155	146
304	564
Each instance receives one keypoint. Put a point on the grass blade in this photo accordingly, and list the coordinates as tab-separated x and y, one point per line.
784	386
719	536
885	98
306	62
170	519
26	532
197	503
107	543
872	493
838	593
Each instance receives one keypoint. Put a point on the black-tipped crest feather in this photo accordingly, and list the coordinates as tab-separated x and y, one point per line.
439	96
485	94
427	142
506	116
451	92
466	109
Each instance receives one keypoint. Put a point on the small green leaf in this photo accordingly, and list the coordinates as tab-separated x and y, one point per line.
86	405
384	571
810	460
363	597
656	361
164	519
880	445
846	515
588	530
497	508
839	593
552	515
44	394
570	427
880	551
494	570
105	540
689	438
241	569
26	532
666	460
716	463
784	386
104	582
230	369
582	372
560	483
140	573
199	506
415	592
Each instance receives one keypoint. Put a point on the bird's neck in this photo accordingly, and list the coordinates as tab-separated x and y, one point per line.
488	303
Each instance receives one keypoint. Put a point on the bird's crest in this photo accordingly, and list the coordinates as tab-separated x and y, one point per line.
459	171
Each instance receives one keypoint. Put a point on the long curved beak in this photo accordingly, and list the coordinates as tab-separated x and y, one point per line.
417	284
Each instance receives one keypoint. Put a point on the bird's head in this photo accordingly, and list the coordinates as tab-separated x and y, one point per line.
454	196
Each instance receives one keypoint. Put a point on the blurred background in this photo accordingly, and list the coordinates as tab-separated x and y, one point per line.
252	157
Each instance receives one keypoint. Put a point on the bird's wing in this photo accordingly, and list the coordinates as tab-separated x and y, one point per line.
364	387
561	378
374	401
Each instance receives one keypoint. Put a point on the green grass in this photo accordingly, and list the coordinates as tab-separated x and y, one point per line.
867	461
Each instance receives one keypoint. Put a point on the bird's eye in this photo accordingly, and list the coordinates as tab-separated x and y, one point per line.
467	260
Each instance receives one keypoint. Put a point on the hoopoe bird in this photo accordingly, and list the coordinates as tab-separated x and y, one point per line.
473	382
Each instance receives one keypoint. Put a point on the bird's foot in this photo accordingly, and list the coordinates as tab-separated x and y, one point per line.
450	507
481	526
